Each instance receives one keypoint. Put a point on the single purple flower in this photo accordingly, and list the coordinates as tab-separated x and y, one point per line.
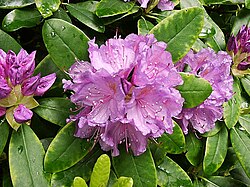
18	86
126	93
215	68
22	114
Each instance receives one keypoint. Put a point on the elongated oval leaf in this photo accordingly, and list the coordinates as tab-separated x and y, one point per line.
55	110
140	168
106	8
47	7
218	181
241	144
26	155
123	182
170	173
194	149
101	171
180	31
232	107
61	14
246	83
88	18
65	150
242	18
194	90
79	182
245	122
144	26
216	150
23	18
83	169
65	42
8	43
15	3
4	129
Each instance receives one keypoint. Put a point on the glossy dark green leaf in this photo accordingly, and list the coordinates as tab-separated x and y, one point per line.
239	174
65	150
8	43
241	144
64	42
21	18
101	171
216	151
194	90
180	31
83	169
47	7
232	107
170	173
106	8
55	110
217	41
10	4
194	149
215	130
246	82
173	143
140	168
61	14
124	182
244	121
4	129
26	155
242	18
85	16
144	26
219	181
79	182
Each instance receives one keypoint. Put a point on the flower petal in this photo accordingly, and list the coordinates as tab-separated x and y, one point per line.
44	84
22	114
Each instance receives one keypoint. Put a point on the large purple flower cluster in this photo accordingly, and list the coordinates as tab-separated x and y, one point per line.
239	48
126	94
162	4
215	68
18	86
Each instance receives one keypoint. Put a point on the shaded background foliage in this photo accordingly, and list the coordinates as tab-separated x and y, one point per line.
47	154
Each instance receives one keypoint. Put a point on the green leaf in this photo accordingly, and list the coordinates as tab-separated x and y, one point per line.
194	90
232	107
65	150
112	179
124	182
219	181
106	8
247	3
55	110
8	43
140	168
173	143
215	130
21	18
64	42
47	7
244	121
241	144
26	155
217	41
85	16
11	4
4	129
101	171
246	82
170	173
82	169
61	14
194	149
239	174
242	18
216	151
180	31
79	182
144	26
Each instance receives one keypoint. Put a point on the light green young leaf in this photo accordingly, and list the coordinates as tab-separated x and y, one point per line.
47	7
79	182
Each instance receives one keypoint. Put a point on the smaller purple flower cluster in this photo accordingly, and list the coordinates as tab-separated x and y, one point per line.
18	86
239	47
126	94
215	68
162	4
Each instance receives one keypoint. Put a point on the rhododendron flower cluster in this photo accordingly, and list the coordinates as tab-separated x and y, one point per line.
126	93
161	4
239	48
215	68
18	86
